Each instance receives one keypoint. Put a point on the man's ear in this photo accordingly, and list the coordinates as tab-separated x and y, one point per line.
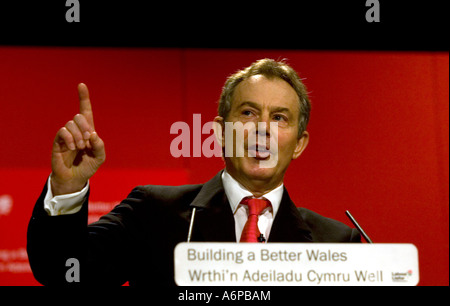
219	130
302	143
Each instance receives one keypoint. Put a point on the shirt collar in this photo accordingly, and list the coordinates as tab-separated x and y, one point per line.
236	192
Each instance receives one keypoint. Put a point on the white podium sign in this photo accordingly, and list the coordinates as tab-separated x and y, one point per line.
295	264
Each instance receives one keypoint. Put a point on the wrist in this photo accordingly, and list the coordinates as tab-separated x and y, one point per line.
60	187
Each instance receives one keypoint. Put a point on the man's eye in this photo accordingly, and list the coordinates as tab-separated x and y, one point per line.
246	113
279	118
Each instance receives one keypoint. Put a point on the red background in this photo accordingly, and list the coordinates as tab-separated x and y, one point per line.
378	147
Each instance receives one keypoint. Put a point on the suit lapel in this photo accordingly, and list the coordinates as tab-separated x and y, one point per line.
214	220
289	225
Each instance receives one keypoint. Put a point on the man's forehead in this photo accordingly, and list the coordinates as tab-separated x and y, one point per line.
272	92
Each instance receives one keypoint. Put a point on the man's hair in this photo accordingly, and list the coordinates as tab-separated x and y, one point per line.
270	69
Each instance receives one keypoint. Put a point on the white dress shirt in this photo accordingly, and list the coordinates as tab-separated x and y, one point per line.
64	204
236	192
71	203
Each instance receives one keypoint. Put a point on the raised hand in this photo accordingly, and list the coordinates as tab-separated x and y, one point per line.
78	151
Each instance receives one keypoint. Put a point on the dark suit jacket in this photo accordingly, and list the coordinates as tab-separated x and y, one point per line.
135	241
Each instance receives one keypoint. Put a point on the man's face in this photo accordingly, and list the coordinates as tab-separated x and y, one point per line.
259	99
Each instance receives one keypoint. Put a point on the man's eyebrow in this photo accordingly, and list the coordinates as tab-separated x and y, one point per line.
280	109
250	103
274	109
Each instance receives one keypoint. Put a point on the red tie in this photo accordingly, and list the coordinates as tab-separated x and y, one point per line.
251	233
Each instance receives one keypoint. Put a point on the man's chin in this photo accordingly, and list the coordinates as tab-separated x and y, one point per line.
251	168
256	171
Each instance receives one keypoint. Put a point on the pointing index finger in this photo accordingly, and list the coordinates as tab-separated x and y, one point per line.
85	104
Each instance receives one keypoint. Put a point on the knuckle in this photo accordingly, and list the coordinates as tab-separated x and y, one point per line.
63	133
78	118
70	124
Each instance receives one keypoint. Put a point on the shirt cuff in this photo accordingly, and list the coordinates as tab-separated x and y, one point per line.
65	204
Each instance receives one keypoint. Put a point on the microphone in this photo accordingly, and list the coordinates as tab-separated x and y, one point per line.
261	238
191	224
349	215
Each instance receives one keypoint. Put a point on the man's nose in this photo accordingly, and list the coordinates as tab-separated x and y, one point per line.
263	128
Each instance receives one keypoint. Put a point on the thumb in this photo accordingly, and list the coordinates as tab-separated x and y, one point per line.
98	146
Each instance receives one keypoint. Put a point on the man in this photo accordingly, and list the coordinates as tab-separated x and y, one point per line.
135	241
